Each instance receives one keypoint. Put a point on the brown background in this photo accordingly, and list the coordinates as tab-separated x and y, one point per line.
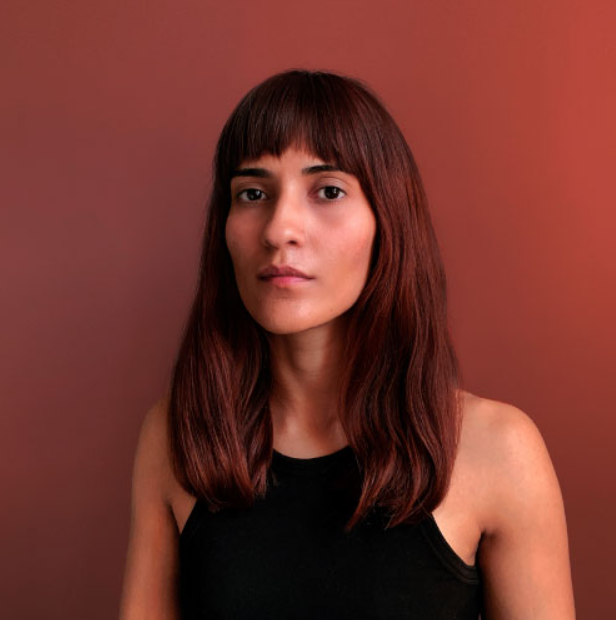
109	115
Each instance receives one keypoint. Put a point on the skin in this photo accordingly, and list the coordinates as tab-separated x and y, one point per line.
504	507
322	224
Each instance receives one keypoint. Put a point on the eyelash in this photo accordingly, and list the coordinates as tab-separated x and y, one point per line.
255	189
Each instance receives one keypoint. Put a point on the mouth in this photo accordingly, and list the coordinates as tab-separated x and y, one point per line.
285	281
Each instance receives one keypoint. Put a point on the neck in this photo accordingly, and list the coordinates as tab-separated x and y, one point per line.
306	371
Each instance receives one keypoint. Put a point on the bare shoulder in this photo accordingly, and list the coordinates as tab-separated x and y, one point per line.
508	455
149	588
152	463
497	426
524	550
154	460
485	415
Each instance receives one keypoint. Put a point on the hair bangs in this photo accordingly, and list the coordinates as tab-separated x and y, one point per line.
301	109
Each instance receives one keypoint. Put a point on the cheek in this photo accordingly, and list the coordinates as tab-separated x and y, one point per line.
346	268
235	240
243	248
352	250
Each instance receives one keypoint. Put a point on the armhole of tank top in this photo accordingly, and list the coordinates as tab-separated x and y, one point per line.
445	552
192	523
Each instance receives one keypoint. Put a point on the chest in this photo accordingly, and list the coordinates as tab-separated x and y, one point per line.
288	557
456	521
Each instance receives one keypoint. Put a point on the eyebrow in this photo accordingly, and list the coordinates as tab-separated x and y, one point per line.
263	173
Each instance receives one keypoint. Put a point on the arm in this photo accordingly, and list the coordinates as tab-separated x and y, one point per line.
524	554
150	578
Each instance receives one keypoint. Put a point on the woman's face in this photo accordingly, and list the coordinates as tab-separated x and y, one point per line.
287	211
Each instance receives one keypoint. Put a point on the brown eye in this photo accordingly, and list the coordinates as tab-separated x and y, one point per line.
253	194
332	192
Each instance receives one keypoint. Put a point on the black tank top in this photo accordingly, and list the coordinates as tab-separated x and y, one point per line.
287	557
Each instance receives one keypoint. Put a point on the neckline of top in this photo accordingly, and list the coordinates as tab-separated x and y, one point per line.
312	464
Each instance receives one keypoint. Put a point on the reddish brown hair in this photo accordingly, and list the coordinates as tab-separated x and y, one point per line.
398	400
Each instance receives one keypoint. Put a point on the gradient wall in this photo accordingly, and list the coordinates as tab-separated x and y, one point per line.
108	117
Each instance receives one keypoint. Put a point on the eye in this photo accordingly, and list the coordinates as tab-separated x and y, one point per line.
250	193
337	192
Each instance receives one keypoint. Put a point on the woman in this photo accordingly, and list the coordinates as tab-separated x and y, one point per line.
316	456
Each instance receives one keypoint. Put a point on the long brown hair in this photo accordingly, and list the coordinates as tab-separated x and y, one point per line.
398	401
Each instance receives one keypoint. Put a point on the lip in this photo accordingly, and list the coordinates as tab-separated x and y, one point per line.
280	271
285	281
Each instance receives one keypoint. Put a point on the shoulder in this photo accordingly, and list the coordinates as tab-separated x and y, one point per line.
512	467
500	428
149	588
524	550
152	469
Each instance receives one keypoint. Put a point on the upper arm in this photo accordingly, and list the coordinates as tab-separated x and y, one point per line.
150	578
524	554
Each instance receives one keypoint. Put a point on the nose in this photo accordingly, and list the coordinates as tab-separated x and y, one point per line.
286	221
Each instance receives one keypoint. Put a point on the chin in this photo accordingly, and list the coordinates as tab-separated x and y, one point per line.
284	319
286	328
286	325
